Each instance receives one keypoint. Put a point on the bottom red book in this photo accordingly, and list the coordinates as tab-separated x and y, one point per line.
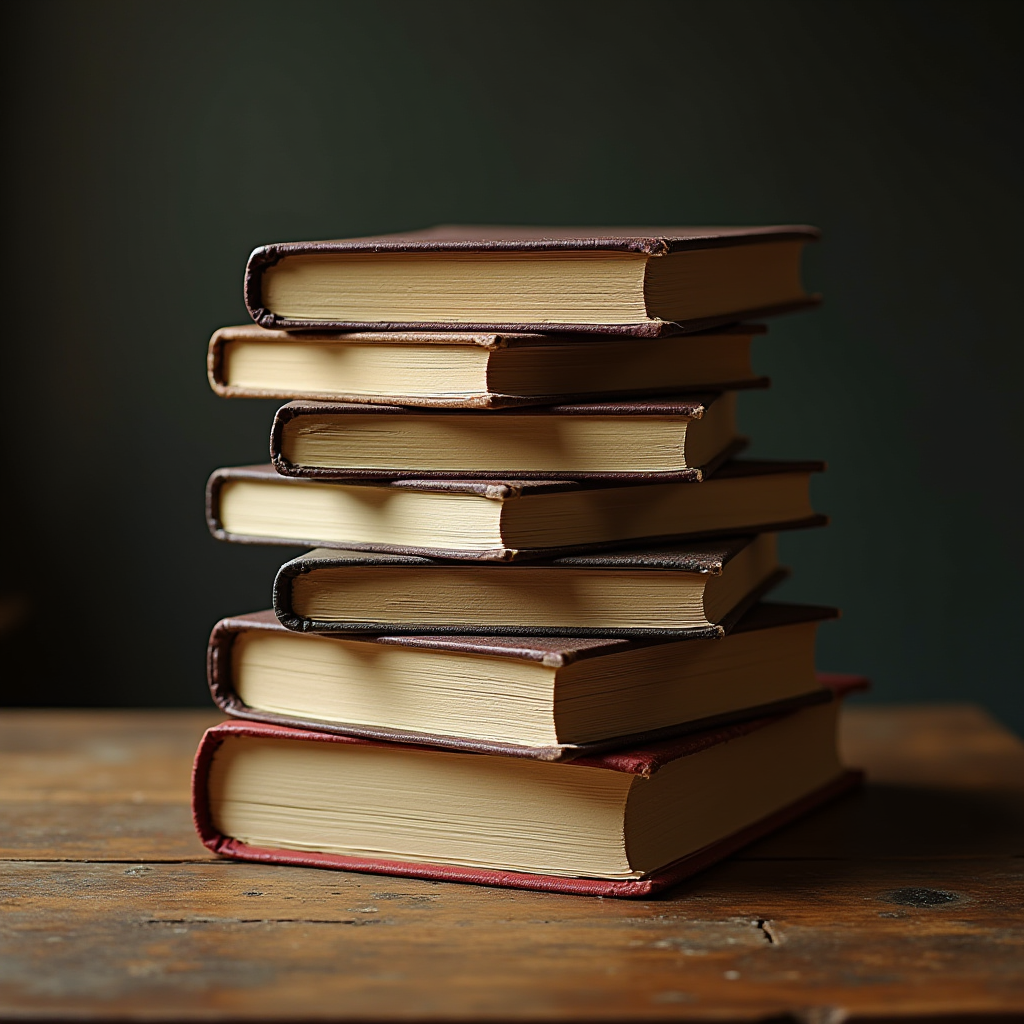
627	823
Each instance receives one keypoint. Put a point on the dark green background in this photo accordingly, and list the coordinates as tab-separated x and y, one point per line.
151	146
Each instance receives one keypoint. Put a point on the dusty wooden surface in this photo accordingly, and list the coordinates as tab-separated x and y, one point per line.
902	901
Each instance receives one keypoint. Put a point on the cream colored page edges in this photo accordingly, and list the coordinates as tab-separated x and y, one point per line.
358	515
502	699
433	287
507	443
727	787
296	368
375	515
396	687
399	803
655	687
476	443
606	513
500	596
436	807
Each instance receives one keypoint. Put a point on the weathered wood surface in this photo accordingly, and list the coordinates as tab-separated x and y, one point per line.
98	785
904	900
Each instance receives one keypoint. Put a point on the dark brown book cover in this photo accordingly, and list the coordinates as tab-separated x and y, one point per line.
553	652
677	407
500	491
708	558
456	238
590	347
644	761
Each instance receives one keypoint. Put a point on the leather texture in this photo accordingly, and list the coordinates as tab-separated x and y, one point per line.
494	238
704	557
689	407
649	241
492	342
495	490
551	652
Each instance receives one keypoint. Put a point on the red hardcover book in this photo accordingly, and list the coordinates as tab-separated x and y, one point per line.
276	795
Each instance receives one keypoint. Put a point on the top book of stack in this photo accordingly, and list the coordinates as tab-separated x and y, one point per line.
637	282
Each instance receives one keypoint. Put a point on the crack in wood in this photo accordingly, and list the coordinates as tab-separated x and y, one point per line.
416	896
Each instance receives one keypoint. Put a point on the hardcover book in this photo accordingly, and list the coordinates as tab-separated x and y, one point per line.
495	520
694	590
634	281
653	439
529	696
627	823
463	370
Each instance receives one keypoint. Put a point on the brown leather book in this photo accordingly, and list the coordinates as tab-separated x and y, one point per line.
653	439
628	823
689	589
633	281
539	697
463	370
505	520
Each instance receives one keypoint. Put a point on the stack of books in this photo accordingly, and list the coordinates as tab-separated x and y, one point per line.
529	646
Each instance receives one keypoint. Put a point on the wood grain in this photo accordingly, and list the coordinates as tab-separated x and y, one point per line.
255	940
903	901
100	756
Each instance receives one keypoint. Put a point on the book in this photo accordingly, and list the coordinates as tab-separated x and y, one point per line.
627	823
530	696
651	439
633	281
494	520
694	589
458	369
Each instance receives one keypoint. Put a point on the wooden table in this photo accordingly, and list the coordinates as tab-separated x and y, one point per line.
905	899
